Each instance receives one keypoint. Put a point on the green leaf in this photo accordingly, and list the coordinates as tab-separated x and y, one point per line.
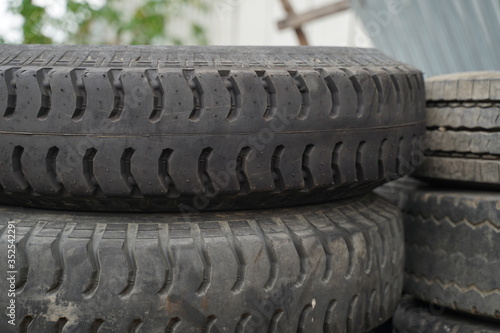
113	22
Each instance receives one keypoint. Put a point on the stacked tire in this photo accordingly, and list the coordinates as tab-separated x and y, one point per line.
452	222
202	189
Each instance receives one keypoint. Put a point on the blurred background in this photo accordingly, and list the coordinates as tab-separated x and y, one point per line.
221	22
435	36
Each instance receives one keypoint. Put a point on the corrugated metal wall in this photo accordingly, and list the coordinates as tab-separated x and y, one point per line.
438	37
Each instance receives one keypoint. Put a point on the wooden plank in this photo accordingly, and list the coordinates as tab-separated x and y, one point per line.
298	29
297	20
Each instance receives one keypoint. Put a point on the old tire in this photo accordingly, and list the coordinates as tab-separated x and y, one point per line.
463	129
452	246
334	267
115	128
418	317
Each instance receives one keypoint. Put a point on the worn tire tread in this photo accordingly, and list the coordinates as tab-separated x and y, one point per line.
452	246
463	129
413	316
134	129
157	273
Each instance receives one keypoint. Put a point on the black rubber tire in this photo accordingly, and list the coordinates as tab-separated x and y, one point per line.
463	129
335	267
418	317
116	128
452	246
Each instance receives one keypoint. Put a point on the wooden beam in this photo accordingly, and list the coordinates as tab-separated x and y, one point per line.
298	29
297	20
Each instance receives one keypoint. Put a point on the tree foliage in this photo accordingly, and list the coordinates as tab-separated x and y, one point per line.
111	21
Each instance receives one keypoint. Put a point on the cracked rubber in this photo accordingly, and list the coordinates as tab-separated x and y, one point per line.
115	128
452	246
417	317
463	129
335	267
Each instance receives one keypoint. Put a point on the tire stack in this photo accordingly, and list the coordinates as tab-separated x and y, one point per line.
202	189
452	222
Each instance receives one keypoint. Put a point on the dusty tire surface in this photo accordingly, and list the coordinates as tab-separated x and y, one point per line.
336	267
419	317
463	129
452	241
130	128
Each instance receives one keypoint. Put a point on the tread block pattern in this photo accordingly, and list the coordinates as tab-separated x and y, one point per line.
70	103
290	173
101	99
148	94
342	90
282	269
12	172
151	183
461	116
28	94
113	183
8	90
467	86
462	129
464	142
128	129
317	158
457	271
44	158
485	172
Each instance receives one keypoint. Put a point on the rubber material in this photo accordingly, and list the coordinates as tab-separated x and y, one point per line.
466	86
416	317
116	128
463	129
335	267
452	246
